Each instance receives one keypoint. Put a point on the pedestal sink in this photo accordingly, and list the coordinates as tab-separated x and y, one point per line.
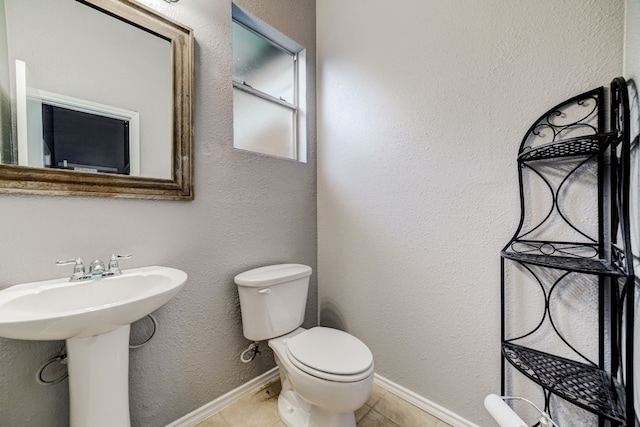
94	317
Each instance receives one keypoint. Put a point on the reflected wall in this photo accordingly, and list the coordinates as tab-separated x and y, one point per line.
73	50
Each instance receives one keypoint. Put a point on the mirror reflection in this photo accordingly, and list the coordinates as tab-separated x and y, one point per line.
83	91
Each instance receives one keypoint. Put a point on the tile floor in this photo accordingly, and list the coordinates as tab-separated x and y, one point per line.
383	409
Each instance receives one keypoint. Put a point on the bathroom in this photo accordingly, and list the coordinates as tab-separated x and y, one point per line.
415	114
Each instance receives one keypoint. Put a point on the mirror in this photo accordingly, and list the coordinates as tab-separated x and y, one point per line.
95	99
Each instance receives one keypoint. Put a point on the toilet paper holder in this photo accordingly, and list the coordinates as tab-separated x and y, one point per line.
506	417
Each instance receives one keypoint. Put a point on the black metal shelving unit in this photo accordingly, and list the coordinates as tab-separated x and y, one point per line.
569	148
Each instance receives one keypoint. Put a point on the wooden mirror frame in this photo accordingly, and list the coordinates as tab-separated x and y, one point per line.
31	180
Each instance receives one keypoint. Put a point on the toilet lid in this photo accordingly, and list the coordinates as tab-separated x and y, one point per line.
272	274
330	351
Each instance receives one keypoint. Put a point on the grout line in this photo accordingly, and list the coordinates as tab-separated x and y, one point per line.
388	421
369	409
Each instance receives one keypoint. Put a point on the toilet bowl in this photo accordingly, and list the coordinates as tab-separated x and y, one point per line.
326	374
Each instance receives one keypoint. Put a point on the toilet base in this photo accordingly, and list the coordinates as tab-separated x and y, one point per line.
301	416
296	412
320	418
292	409
293	414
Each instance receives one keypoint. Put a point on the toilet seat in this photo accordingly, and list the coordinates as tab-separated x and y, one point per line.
330	354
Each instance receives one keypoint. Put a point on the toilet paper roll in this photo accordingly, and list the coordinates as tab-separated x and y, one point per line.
502	413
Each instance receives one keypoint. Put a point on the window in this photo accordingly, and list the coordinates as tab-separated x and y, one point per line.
268	89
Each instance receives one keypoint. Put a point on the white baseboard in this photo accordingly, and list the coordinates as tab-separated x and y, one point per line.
217	405
425	404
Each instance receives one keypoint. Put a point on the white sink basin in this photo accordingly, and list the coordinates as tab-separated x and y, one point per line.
94	317
60	310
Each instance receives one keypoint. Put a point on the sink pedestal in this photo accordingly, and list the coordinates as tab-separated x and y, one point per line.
99	379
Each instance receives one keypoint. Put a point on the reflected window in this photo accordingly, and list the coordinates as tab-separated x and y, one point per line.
268	89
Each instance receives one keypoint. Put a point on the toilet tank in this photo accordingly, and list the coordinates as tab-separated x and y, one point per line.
272	299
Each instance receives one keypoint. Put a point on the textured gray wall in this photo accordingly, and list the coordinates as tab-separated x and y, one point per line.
421	109
250	210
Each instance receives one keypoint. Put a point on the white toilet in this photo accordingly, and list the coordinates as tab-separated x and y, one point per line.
326	374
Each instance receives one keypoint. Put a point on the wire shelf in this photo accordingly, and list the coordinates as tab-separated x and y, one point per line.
583	385
578	146
582	265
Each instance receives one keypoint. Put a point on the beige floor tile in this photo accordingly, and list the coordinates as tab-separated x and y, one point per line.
383	409
376	419
403	413
361	412
376	395
257	410
214	420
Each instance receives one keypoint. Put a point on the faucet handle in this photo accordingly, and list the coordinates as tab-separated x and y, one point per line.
113	262
78	268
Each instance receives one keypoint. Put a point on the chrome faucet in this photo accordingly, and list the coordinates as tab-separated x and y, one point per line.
114	268
78	269
97	269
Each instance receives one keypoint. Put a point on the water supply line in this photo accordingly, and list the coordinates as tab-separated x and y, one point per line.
154	329
40	375
253	349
